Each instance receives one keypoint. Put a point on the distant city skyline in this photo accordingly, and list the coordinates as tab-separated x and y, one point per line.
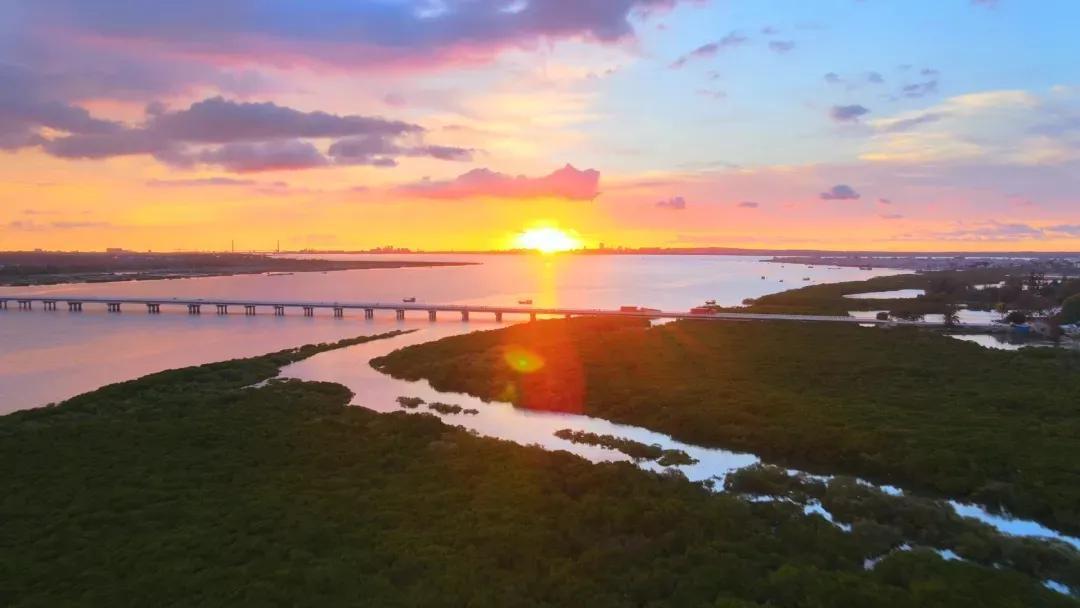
450	125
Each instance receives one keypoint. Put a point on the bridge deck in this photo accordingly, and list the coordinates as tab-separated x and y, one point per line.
473	308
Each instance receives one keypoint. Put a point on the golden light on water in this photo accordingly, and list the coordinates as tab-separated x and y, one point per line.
547	240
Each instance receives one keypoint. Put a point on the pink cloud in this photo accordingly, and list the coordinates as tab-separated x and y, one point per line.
370	34
568	183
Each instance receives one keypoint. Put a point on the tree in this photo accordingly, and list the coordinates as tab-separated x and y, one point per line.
951	313
1070	310
1016	317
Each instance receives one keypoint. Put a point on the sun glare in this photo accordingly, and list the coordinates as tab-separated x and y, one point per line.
546	240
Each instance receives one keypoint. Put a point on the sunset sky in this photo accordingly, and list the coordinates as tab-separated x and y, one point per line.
438	124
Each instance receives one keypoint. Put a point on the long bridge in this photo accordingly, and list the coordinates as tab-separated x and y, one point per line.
222	306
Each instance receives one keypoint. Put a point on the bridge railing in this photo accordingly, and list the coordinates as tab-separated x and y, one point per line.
249	306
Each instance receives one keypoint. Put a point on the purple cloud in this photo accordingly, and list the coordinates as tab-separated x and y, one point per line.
849	113
781	46
255	136
568	183
380	151
218	120
748	205
840	192
675	203
26	109
264	156
705	51
335	33
919	89
906	124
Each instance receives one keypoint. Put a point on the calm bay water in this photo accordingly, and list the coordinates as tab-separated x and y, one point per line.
50	356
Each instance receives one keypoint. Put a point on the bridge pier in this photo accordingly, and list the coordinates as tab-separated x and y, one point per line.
26	304
568	316
279	310
3	304
464	315
74	306
153	309
498	317
249	309
222	309
112	306
194	309
401	315
369	313
431	315
339	312
49	305
532	316
309	311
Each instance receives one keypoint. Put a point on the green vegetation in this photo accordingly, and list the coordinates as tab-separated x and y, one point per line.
186	488
981	289
1070	309
410	402
633	449
912	408
444	408
882	523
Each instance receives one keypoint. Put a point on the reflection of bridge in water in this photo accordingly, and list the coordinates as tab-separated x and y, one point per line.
222	306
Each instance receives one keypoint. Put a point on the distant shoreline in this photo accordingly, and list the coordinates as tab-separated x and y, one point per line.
713	251
41	268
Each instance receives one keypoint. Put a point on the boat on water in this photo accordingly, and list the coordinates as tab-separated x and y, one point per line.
408	300
525	302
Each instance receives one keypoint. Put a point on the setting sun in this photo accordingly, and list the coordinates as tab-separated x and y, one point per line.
546	240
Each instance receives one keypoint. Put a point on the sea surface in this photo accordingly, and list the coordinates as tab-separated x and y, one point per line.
51	356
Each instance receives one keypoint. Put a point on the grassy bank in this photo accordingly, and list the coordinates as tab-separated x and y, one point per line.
977	289
186	488
900	406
